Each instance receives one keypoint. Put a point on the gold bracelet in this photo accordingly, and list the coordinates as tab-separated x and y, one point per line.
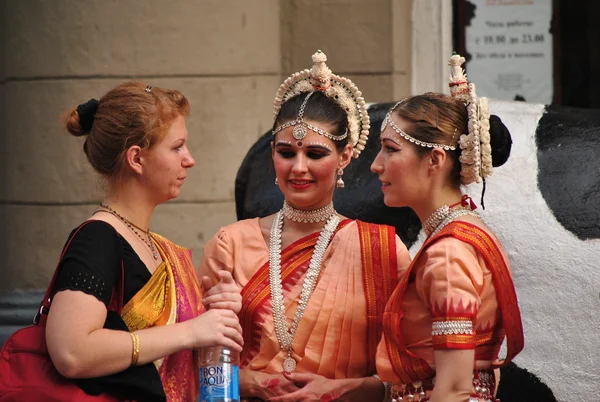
135	353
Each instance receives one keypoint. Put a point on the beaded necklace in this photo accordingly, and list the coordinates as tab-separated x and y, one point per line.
447	213
286	336
147	240
299	215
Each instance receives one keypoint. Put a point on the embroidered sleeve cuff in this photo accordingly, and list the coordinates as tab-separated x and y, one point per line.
453	334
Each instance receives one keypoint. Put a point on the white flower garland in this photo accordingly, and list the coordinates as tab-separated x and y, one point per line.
340	89
476	151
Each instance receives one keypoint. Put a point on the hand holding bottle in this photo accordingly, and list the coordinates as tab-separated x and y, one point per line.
216	327
223	295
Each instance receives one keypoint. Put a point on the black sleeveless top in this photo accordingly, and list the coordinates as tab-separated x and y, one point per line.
92	265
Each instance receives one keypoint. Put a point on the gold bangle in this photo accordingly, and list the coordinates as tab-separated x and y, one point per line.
135	352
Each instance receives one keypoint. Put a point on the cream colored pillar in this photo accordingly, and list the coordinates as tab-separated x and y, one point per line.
364	40
402	48
431	45
223	54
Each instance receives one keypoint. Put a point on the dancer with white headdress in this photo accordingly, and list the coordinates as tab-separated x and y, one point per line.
456	303
314	283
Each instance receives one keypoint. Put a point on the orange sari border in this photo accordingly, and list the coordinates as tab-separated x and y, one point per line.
295	260
468	317
507	298
380	276
453	341
406	366
410	368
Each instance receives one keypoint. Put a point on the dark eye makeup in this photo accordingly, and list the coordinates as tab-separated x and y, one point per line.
286	153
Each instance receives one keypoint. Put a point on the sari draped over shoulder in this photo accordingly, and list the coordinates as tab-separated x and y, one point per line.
457	293
338	334
171	295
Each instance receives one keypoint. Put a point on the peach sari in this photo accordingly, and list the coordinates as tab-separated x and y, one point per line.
460	285
338	334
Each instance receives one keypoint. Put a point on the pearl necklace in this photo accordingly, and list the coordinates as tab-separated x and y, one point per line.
314	216
435	219
443	216
452	215
286	336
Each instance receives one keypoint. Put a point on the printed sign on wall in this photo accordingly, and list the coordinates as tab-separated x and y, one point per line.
510	45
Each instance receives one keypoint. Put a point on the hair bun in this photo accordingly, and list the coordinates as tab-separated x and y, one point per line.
87	112
500	141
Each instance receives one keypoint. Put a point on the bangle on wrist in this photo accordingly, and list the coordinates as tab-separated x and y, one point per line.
135	352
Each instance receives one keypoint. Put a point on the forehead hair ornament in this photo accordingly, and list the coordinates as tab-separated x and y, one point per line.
148	88
301	127
476	151
388	120
340	89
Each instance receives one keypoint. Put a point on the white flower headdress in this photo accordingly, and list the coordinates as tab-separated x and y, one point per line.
476	151
340	89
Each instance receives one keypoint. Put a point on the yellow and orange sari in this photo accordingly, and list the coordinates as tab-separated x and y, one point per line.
459	280
171	295
338	334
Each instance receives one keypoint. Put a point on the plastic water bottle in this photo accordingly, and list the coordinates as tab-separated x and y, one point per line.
219	375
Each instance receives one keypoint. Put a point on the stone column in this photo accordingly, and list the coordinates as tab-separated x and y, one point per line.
431	23
402	48
364	40
224	55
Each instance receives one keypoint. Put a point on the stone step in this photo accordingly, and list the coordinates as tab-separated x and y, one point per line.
17	310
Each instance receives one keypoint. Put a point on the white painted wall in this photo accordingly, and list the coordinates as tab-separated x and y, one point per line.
557	276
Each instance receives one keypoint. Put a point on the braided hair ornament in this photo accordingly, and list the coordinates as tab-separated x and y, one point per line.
476	151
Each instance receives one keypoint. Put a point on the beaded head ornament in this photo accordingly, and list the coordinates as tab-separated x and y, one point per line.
476	151
340	89
388	120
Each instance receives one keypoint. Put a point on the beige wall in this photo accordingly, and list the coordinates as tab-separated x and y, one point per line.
366	41
227	56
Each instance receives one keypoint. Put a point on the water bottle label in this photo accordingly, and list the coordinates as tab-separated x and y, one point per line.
219	383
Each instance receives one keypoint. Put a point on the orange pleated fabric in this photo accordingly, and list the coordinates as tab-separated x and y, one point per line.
336	336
